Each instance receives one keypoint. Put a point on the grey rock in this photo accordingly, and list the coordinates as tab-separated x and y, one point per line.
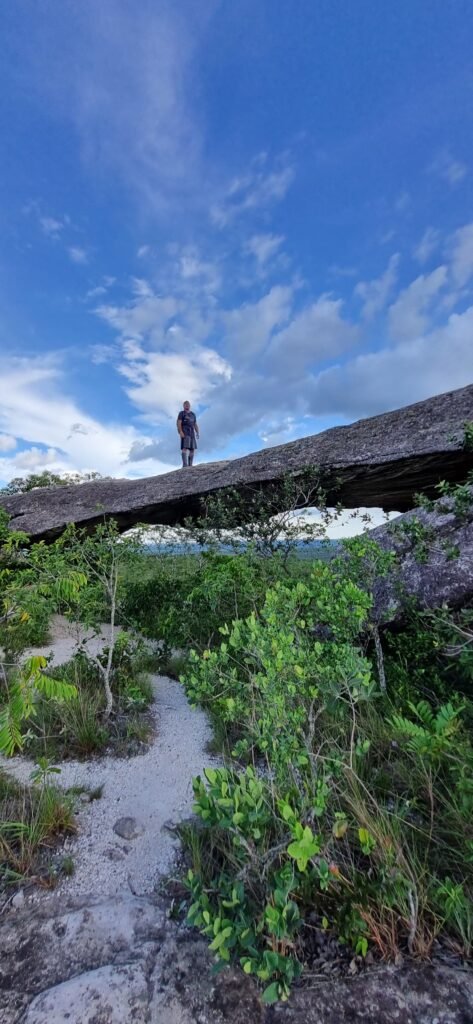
114	854
108	995
382	461
121	961
128	828
387	995
18	900
441	579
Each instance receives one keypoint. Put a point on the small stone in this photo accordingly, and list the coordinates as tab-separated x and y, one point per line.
114	854
128	828
18	900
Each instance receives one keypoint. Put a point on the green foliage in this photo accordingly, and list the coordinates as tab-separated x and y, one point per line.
266	678
184	602
354	811
31	818
265	518
20	485
468	436
430	734
20	703
77	728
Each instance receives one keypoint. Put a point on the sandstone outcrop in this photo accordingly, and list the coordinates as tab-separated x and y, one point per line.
382	461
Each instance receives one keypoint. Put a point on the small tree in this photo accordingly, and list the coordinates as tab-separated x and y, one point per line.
23	587
101	557
266	518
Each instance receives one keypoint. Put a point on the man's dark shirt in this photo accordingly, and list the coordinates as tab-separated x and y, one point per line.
188	421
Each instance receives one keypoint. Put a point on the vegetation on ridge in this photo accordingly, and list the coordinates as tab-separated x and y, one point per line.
343	808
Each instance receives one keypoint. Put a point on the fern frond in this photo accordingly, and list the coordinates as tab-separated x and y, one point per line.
55	689
423	712
446	720
405	727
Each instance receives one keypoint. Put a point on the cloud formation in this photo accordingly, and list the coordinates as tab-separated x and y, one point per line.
449	168
262	186
375	294
56	433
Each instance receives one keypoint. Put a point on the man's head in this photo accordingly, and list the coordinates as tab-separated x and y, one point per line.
186	406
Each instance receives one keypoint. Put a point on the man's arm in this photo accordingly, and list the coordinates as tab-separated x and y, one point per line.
178	425
196	428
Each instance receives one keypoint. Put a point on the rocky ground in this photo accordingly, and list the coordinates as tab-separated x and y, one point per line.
103	948
124	961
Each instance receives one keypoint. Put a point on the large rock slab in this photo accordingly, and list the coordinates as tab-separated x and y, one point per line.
124	961
382	461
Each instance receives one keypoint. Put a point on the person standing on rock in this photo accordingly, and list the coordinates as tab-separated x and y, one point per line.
188	431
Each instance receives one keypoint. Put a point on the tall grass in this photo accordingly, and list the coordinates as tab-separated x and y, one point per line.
32	818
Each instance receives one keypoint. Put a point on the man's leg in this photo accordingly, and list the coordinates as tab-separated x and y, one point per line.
191	458
185	456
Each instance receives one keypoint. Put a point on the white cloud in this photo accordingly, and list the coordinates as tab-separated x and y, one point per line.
147	315
100	289
51	226
77	254
32	459
263	247
408	316
142	450
461	250
317	333
7	443
158	382
249	326
439	361
449	168
144	250
141	288
101	354
259	188
95	293
280	431
127	88
194	270
428	244
35	408
374	294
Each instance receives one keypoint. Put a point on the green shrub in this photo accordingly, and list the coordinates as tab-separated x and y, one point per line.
77	728
356	813
183	602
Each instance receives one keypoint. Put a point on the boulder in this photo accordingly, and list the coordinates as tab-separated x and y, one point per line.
434	559
378	462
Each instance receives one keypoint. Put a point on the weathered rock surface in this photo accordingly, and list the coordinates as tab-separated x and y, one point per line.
446	574
382	461
128	828
124	962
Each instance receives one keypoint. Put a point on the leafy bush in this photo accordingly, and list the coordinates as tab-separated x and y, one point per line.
77	728
183	602
353	813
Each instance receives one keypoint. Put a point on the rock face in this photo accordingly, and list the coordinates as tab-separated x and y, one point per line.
123	961
382	461
434	550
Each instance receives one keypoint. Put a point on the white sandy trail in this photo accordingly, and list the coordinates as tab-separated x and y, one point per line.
153	788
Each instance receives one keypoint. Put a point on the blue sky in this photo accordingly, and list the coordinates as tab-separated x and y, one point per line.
264	207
